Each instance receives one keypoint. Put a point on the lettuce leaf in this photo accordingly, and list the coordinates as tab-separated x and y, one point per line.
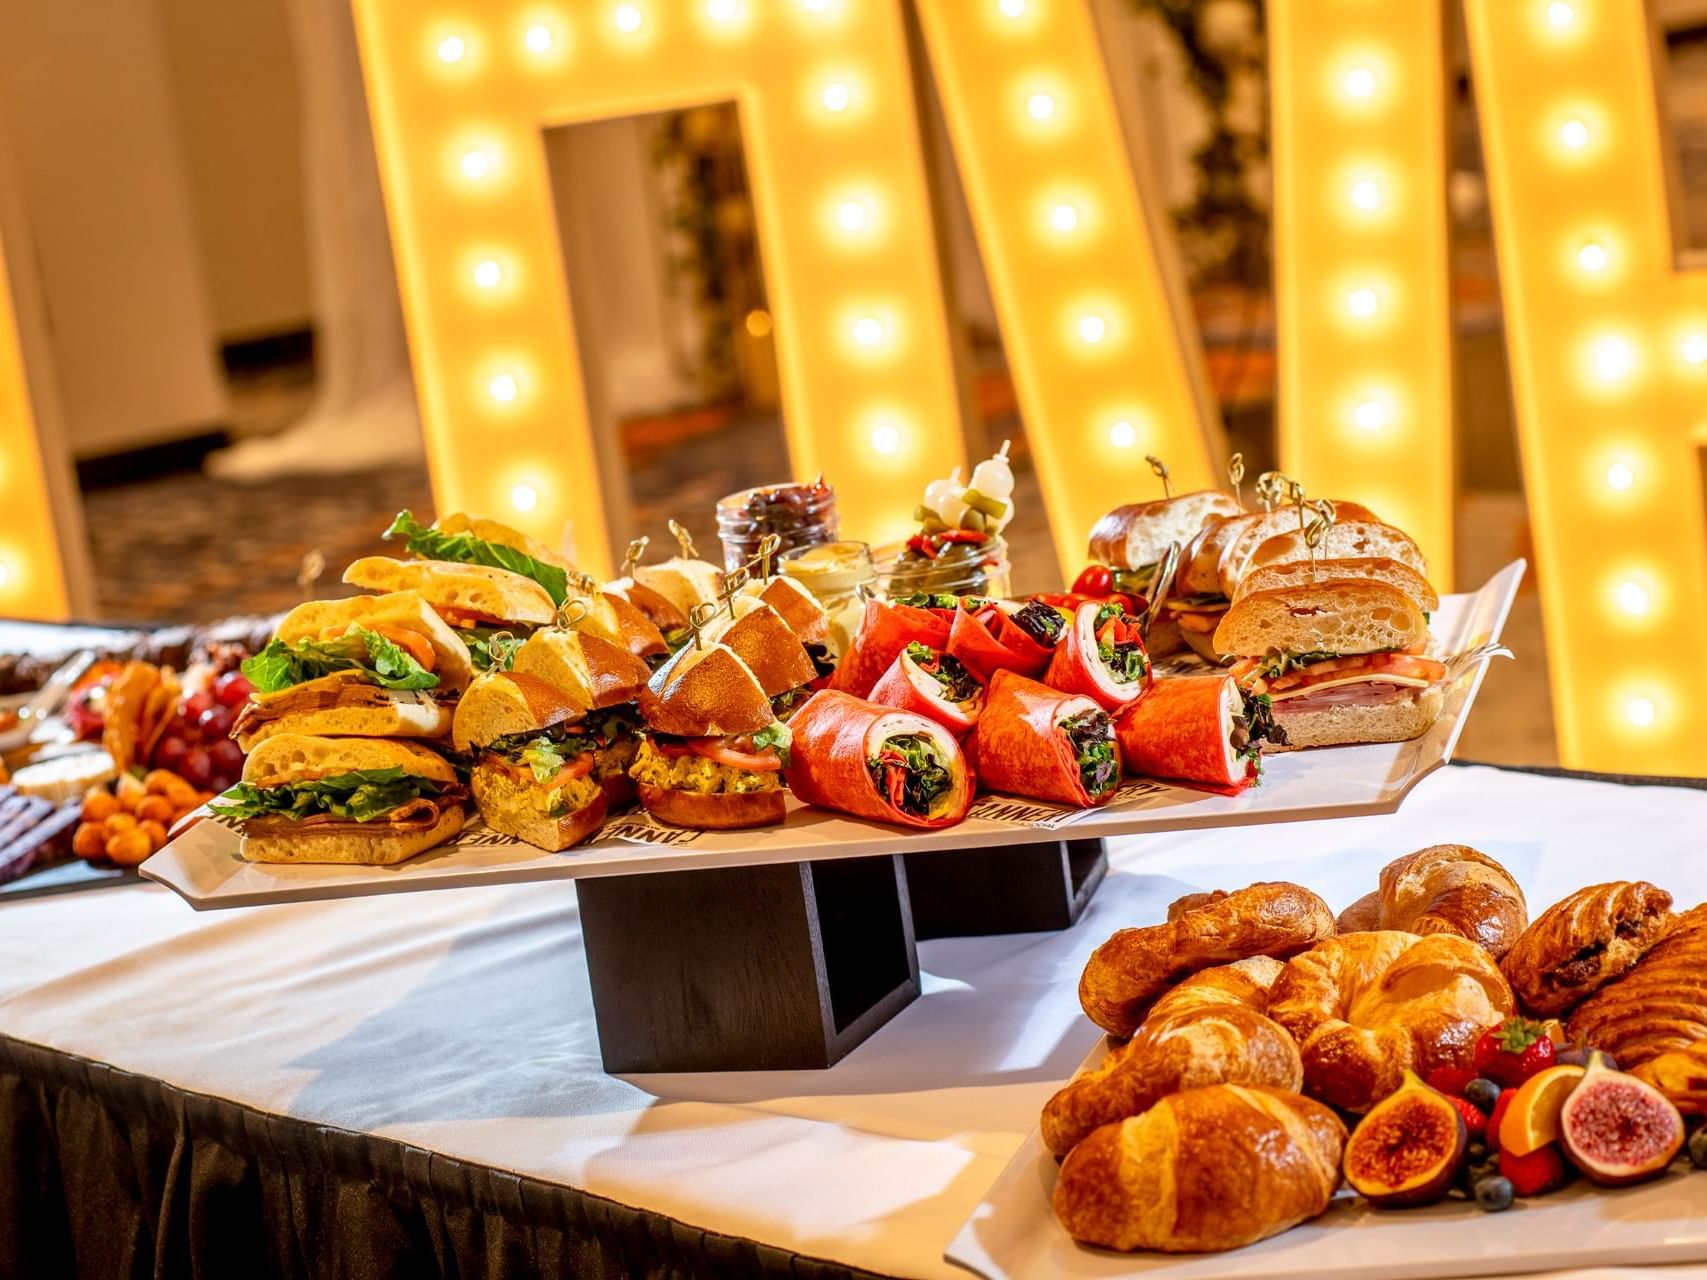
465	548
282	666
361	796
778	736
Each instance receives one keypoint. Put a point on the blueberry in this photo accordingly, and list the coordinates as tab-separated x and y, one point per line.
1482	1093
1698	1149
1494	1194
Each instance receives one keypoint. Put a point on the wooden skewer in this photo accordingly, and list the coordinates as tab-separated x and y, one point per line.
631	558
684	540
1161	469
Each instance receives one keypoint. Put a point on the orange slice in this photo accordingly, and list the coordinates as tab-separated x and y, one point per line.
1531	1119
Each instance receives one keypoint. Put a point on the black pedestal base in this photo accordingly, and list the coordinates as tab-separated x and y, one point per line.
1016	888
747	968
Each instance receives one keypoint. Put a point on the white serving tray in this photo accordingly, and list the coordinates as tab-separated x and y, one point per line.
1013	1234
203	865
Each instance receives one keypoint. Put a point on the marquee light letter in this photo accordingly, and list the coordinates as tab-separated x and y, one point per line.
32	579
1609	367
459	94
1098	348
1360	237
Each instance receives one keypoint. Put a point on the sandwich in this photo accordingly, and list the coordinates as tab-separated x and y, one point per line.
798	607
684	581
1292	573
462	539
657	609
713	750
769	647
534	772
616	621
1341	661
479	601
368	801
602	682
1253	530
372	667
1133	540
1350	540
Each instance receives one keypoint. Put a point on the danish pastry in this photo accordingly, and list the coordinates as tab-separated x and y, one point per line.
1657	1007
1580	944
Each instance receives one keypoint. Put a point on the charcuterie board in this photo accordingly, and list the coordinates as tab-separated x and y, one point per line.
203	865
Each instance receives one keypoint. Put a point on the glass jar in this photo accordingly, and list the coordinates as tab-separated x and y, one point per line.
840	575
802	515
962	569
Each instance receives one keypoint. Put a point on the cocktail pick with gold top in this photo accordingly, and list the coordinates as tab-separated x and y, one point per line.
501	647
1271	488
684	539
631	557
1161	469
572	611
732	584
1321	520
1236	477
1295	495
584	584
761	562
698	617
313	565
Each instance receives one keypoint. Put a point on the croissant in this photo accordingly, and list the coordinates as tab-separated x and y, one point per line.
1657	1007
1365	1006
1681	1075
1445	888
1208	1030
1126	974
1580	944
1201	1171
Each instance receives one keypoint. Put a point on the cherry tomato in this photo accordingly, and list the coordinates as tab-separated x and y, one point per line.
1094	581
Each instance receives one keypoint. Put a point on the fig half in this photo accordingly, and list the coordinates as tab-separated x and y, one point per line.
1407	1150
1618	1129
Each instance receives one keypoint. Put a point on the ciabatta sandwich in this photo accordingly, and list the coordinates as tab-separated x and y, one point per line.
480	602
1350	540
1341	661
535	773
714	750
370	801
463	539
373	666
603	683
1132	540
1295	573
1251	531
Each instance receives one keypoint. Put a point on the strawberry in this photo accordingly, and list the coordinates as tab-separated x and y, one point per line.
1534	1174
1450	1080
1513	1051
1499	1115
1474	1120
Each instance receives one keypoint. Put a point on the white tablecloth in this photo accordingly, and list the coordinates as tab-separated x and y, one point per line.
461	1021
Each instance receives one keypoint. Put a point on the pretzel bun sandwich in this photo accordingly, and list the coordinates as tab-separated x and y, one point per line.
769	647
478	601
799	608
535	771
1293	573
372	666
713	752
369	801
681	580
1341	661
602	683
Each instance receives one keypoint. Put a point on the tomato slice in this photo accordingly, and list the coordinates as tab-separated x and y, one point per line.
412	643
728	751
1388	664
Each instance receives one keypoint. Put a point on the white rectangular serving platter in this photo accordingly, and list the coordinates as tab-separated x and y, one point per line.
1013	1234
203	864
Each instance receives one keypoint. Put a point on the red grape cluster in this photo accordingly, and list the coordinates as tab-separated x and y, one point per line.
197	744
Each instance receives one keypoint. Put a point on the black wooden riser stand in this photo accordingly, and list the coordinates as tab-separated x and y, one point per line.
790	966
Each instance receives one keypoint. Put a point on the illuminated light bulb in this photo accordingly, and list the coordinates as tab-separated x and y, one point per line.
723	10
885	439
759	323
476	165
1591	257
1619	476
1064	218
1632	598
538	38
1366	194
1560	14
852	215
1574	134
627	19
1614	359
452	49
1122	434
868	331
837	96
1370	414
524	497
503	388
1362	302
1359	82
488	274
1040	106
1695	349
1640	712
1093	328
1012	8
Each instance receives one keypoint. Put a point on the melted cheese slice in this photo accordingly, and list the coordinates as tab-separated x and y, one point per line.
1355	677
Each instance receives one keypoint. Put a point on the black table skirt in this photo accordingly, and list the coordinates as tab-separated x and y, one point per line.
107	1175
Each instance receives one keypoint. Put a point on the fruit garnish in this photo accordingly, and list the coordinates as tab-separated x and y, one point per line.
1534	1174
1408	1148
1475	1119
1450	1080
1484	1093
1617	1128
1513	1051
1496	1118
1532	1119
1494	1193
1698	1148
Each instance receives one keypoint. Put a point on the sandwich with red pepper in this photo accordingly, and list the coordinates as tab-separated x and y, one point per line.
1340	661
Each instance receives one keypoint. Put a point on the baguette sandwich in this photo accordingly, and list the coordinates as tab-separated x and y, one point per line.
1340	661
373	667
368	801
1132	541
480	602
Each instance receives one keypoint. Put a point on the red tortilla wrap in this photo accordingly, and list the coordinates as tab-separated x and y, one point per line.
1182	730
909	687
1078	668
1019	747
988	641
836	734
884	630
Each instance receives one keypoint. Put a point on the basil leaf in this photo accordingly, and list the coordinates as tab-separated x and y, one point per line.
465	548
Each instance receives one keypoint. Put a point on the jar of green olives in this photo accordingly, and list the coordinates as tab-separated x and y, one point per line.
935	564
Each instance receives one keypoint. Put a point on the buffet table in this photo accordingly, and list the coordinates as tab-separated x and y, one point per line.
410	1084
